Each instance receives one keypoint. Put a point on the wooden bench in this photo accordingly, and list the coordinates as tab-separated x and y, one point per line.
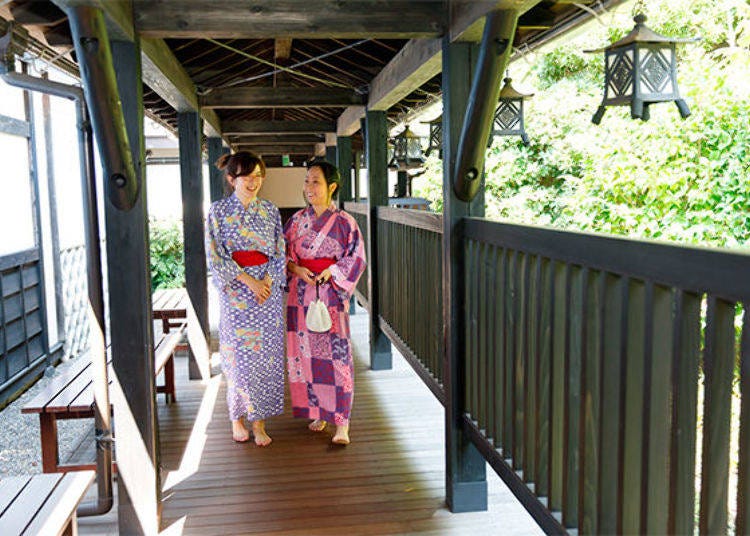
71	396
42	504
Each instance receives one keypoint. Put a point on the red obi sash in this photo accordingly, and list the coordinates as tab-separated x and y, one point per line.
249	258
317	265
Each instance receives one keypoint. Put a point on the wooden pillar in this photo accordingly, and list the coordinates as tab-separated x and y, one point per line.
189	130
357	175
215	175
377	160
401	182
137	446
54	226
466	485
344	163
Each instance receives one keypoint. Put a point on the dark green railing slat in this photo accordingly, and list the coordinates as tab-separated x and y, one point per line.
632	463
612	362
576	313
501	290
684	412
558	387
659	371
483	331
491	327
544	384
509	355
591	402
718	365
531	411
743	471
519	359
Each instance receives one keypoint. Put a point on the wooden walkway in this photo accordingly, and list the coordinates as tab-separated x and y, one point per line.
390	480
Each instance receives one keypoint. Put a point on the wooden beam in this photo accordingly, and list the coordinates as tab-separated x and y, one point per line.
282	97
349	121
160	69
467	18
306	148
167	78
282	48
421	59
279	139
261	19
240	128
414	65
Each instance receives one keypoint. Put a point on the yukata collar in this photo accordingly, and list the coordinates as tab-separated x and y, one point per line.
238	206
332	209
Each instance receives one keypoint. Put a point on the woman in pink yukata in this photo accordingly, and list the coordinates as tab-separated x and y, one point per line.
246	257
324	246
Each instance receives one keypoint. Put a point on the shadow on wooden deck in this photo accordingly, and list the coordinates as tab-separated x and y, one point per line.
390	480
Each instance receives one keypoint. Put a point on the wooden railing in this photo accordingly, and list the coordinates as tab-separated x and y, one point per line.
586	360
359	212
411	300
608	380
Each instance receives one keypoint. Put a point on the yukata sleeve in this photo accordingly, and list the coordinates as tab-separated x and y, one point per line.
277	264
348	269
290	230
220	262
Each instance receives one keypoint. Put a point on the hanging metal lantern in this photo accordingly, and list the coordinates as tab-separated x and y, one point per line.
435	142
639	70
407	151
508	119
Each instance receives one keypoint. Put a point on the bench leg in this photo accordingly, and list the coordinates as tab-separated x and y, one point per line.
48	434
169	388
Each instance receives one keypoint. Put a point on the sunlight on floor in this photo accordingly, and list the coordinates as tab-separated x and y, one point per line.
197	441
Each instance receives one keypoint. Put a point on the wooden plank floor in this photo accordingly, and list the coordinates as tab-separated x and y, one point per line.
390	480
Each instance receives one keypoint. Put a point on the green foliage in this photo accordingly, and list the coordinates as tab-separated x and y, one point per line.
167	258
686	181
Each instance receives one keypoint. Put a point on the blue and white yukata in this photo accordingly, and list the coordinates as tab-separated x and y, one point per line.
251	336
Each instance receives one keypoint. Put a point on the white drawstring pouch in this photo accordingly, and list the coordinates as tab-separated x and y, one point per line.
317	318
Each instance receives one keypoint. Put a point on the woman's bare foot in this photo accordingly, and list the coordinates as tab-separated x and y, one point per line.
239	433
262	439
317	425
342	435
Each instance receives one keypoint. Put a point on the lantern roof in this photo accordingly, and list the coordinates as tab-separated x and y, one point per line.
509	92
642	34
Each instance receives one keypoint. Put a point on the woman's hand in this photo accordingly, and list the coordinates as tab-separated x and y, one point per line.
324	276
308	276
261	288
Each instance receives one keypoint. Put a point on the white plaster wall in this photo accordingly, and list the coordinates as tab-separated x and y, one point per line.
283	186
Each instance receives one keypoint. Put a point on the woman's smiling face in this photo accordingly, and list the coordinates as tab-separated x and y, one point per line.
248	186
317	191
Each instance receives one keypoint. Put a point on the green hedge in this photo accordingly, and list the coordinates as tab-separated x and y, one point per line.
167	254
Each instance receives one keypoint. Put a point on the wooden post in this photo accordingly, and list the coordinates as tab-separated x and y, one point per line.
466	485
216	176
189	129
377	156
344	163
357	174
401	181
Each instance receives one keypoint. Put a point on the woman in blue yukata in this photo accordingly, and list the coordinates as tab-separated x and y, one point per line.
246	256
324	246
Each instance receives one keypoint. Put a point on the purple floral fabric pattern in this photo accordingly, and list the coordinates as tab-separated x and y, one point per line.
251	335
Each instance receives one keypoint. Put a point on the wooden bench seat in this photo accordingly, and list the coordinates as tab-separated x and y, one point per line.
42	504
71	396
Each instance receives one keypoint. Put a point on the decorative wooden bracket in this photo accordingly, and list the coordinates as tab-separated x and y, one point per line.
94	55
494	56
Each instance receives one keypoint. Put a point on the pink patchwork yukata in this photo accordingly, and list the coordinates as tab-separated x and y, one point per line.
320	365
251	336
